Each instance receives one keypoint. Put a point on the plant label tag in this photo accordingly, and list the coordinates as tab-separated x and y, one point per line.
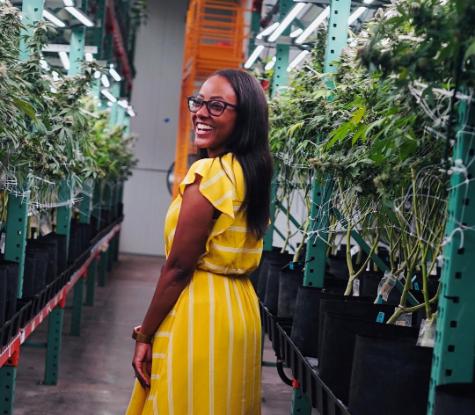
427	333
291	266
2	242
354	250
356	287
404	320
380	317
385	286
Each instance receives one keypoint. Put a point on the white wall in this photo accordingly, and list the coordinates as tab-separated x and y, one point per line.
156	93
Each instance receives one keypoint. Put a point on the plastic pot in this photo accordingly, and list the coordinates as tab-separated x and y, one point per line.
389	375
290	279
264	271
12	271
51	245
3	294
339	333
61	247
276	264
455	398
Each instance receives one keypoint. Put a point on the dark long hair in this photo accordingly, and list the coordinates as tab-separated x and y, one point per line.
250	144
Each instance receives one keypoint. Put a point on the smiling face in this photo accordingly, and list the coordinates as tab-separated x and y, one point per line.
212	132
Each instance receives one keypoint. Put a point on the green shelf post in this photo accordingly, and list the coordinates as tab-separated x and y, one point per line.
7	389
315	257
91	283
53	350
97	203
454	351
78	296
337	37
102	268
17	215
300	403
279	80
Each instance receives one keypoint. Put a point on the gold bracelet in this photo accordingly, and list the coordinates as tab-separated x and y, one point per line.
140	337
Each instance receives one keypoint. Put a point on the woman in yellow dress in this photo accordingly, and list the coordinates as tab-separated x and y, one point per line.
198	349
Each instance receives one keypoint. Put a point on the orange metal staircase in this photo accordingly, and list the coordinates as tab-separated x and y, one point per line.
214	39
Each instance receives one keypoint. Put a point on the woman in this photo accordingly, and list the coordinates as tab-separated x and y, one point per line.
198	348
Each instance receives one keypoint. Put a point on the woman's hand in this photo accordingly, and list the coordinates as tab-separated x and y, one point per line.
142	363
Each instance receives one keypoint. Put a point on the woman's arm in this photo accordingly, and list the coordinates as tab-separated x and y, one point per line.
194	225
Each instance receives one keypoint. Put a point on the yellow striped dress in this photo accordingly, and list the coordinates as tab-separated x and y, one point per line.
206	353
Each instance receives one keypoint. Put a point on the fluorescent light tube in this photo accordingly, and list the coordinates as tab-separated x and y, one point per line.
268	30
299	58
53	19
114	74
254	55
270	64
80	16
105	81
313	26
97	75
68	3
63	56
131	111
123	103
296	32
286	22
358	12
108	95
88	56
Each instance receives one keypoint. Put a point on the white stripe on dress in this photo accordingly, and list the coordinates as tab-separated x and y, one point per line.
212	180
219	269
159	355
240	229
190	349
170	377
211	343
227	195
244	357
254	354
231	346
232	249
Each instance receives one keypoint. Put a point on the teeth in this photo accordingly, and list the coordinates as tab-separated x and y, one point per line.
204	127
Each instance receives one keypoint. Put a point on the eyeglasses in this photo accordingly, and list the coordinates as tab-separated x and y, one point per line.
214	106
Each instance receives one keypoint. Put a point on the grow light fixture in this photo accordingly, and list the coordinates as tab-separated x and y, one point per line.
88	56
270	64
296	33
268	30
68	3
313	26
97	75
123	103
286	22
358	12
299	58
254	55
105	81
53	19
63	56
80	16
109	96
131	111
114	73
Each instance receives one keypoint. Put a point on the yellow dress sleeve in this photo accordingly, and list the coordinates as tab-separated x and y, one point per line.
218	185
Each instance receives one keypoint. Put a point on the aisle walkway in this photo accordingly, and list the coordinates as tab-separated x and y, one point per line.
95	371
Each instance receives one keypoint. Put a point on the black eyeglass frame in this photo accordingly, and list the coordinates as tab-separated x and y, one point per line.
207	103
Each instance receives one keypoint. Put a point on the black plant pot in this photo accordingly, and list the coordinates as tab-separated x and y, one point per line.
276	264
29	275
61	247
3	294
51	246
360	307
455	399
305	322
12	271
336	265
390	376
40	257
337	347
290	279
264	271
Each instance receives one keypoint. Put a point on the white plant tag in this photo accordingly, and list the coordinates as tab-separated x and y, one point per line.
354	250
404	320
385	286
356	287
427	333
434	270
45	225
2	242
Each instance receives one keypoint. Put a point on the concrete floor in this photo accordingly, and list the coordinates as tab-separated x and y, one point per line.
95	372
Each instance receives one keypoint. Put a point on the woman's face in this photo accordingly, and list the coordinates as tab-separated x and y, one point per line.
212	132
